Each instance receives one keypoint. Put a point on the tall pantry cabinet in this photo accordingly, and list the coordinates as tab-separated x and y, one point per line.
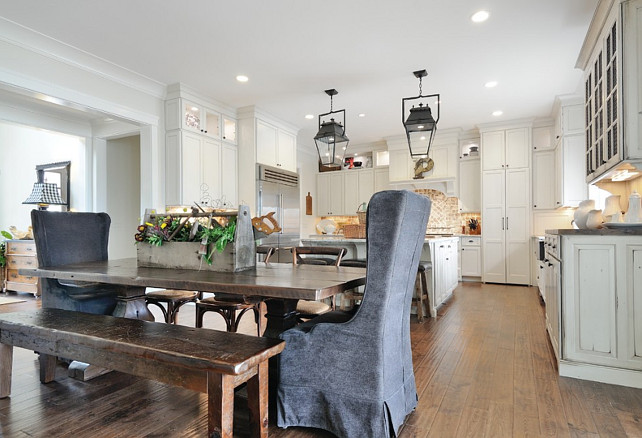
506	175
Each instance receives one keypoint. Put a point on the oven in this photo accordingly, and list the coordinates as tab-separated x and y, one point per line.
552	267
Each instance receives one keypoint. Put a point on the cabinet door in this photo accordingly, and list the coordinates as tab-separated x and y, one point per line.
401	167
266	143
517	148
471	261
571	181
544	179
209	190
323	194
634	329
440	156
517	226
493	221
229	173
229	129
543	138
469	186
492	150
336	191
351	199
286	152
381	180
366	186
589	288
191	169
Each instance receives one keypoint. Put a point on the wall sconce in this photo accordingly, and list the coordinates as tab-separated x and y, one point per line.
418	121
44	193
331	140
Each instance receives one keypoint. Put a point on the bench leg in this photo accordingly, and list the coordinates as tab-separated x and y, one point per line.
47	368
6	364
220	405
257	400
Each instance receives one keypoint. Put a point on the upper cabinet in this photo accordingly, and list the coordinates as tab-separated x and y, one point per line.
444	153
275	147
469	185
505	148
201	157
610	58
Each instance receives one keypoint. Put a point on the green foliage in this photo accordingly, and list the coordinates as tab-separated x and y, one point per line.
219	236
3	258
6	235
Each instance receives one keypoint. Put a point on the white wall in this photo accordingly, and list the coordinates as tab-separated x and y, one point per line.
21	149
123	194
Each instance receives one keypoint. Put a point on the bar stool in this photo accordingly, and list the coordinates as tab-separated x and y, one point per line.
421	300
173	299
350	297
227	305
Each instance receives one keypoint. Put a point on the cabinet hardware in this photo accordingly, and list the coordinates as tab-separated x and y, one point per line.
502	224
550	264
463	249
506	222
535	206
441	246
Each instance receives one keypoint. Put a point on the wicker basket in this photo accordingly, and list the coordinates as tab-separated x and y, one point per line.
354	231
362	217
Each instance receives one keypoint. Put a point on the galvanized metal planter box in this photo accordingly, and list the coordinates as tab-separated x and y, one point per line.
237	256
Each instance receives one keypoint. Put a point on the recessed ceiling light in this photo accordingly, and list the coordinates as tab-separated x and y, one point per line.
242	78
362	115
490	84
498	113
309	116
480	16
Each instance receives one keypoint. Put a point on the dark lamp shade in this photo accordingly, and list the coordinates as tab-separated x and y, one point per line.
45	193
331	143
420	129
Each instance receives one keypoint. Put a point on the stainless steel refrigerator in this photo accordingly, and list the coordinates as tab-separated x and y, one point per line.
278	191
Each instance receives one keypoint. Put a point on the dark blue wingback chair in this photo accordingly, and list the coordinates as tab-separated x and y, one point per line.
64	238
352	374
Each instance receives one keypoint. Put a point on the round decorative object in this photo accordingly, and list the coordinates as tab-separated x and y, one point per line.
423	165
327	226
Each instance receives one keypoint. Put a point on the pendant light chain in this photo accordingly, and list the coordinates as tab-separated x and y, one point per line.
420	86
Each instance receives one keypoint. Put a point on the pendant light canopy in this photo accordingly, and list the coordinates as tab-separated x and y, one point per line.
418	121
331	140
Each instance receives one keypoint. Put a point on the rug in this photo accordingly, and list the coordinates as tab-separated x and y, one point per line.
4	300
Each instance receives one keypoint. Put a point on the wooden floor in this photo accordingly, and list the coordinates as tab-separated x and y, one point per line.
484	368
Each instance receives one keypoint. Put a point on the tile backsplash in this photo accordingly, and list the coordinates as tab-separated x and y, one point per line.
444	213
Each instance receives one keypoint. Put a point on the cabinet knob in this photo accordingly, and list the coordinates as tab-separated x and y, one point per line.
535	206
558	202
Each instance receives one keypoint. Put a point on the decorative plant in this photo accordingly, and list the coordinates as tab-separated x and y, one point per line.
168	228
473	224
3	248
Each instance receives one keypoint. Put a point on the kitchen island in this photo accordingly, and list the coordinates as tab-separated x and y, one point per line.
594	303
442	251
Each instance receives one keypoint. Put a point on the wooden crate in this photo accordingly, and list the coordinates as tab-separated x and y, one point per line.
354	231
237	256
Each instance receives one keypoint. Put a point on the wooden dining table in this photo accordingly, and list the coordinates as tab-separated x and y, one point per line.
281	284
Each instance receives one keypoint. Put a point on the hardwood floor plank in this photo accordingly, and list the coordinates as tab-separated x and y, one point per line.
483	368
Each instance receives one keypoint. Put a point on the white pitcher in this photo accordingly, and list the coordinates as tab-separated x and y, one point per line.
581	214
594	220
612	210
634	211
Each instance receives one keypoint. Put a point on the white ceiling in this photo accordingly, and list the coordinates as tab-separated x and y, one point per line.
292	50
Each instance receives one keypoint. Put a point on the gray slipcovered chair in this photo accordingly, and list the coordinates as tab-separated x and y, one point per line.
64	238
352	373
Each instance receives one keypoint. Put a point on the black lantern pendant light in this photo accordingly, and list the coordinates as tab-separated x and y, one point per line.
331	140
418	121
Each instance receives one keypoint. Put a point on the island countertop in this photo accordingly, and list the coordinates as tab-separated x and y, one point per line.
632	231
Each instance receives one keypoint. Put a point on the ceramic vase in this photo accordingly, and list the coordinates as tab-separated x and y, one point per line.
612	210
581	214
633	213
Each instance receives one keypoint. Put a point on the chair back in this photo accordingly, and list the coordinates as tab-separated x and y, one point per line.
320	255
69	237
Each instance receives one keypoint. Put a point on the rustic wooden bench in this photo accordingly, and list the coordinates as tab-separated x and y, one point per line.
209	361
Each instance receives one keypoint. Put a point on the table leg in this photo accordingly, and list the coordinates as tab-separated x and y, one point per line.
131	304
6	365
281	315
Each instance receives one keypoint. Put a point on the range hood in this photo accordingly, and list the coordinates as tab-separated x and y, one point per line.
445	185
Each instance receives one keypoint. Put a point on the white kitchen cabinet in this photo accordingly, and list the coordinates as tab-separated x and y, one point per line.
330	193
381	179
571	187
199	169
190	116
358	188
543	138
469	185
544	179
601	314
506	222
445	158
470	256
275	147
610	59
229	129
444	253
505	148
